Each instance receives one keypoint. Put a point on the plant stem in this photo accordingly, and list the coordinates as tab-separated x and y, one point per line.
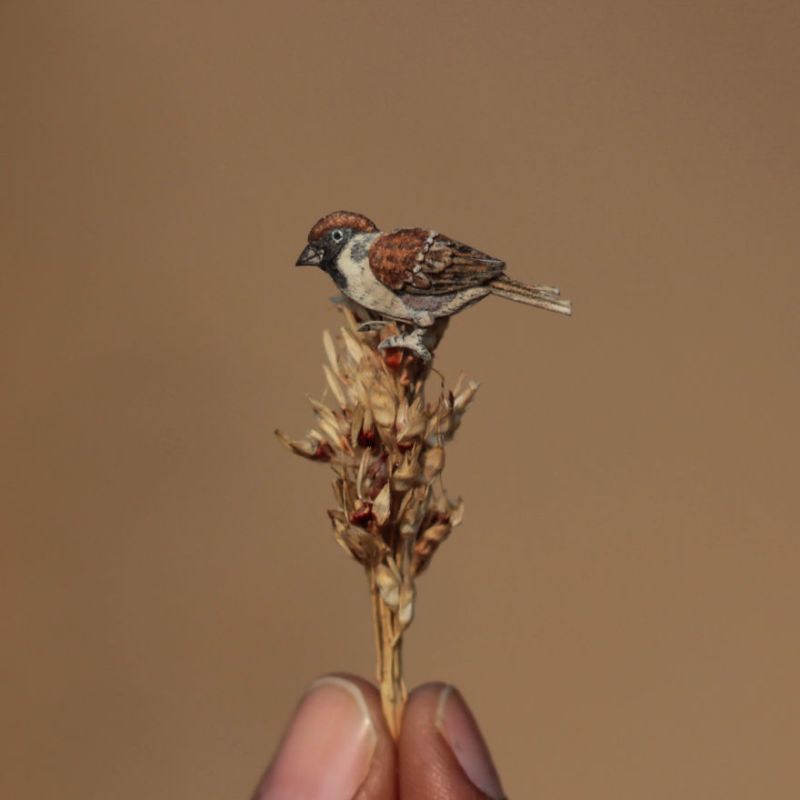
389	651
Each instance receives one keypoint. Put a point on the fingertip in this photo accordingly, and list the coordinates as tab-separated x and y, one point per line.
442	751
336	746
458	726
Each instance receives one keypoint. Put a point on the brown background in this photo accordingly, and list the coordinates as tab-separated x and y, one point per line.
621	604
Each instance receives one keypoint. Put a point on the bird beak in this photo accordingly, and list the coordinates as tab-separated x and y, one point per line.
310	257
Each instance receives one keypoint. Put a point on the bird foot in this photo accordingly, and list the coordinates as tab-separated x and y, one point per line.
408	341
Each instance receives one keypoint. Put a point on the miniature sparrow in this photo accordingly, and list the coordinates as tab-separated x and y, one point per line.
412	275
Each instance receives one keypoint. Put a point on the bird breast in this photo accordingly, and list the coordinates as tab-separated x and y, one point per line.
362	285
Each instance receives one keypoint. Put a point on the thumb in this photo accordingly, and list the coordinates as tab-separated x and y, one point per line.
441	750
337	747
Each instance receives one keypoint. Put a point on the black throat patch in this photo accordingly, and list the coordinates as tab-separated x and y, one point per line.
332	250
333	270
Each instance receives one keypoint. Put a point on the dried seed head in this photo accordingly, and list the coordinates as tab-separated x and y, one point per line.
386	447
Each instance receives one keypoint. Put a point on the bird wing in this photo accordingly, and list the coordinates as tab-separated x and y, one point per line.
421	261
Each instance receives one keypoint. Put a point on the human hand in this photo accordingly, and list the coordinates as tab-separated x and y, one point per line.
337	747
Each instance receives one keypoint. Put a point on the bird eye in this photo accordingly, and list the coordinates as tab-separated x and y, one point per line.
337	235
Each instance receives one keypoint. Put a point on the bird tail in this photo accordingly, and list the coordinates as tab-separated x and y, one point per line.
546	297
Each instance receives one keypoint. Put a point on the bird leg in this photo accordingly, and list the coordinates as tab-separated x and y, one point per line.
413	341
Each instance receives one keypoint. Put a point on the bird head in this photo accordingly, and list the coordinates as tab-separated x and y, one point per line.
330	235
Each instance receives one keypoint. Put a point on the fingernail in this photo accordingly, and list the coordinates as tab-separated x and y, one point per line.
327	750
459	729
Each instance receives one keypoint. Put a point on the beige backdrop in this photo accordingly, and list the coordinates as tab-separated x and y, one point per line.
620	606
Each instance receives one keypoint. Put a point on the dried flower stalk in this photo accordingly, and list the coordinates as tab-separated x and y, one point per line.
385	444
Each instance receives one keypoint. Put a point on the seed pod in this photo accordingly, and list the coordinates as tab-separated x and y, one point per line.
312	447
411	422
382	504
433	462
388	586
405	611
383	405
407	474
333	436
356	421
427	544
363	547
362	471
